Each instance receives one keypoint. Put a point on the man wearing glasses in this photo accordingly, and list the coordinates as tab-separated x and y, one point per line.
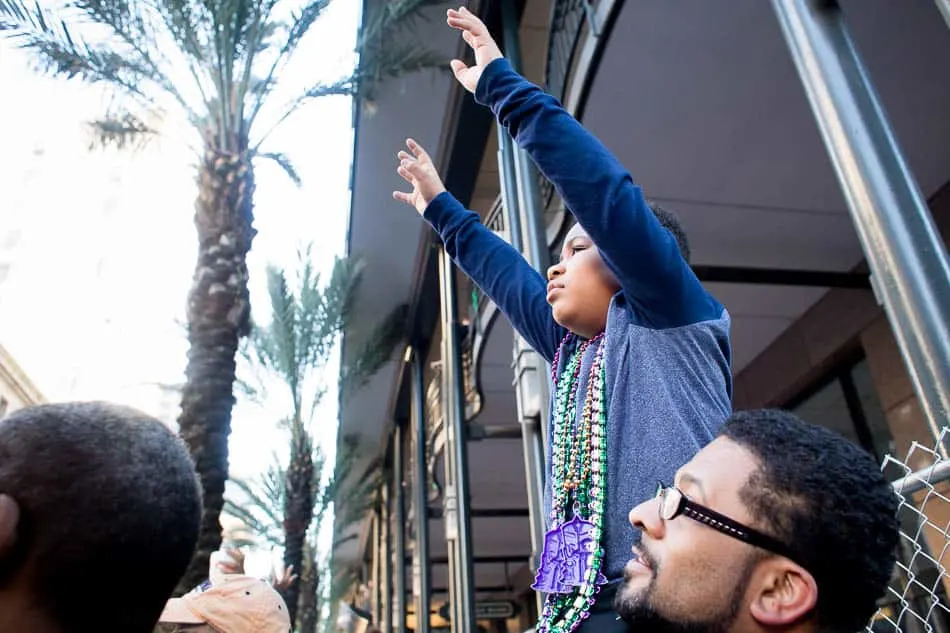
775	525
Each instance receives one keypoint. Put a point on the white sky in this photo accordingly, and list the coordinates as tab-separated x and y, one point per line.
93	305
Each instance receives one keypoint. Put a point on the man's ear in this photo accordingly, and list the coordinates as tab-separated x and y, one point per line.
786	593
9	522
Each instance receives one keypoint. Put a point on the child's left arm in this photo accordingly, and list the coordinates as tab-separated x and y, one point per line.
645	257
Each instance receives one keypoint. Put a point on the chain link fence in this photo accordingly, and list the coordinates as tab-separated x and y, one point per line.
916	601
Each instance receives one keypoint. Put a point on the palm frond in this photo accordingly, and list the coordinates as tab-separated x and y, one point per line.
253	525
375	352
185	21
15	12
284	163
124	62
393	61
122	131
344	283
263	497
261	508
131	24
301	23
361	493
396	15
277	344
389	45
341	87
300	26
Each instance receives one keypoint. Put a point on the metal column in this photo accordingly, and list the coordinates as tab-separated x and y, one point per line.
386	615
944	7
377	595
422	585
399	528
907	258
525	219
527	177
458	524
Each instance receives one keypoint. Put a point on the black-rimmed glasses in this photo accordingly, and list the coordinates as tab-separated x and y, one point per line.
674	503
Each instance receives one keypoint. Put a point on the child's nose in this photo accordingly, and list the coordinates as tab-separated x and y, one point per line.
555	271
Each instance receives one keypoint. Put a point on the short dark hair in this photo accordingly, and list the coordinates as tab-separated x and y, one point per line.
109	512
825	497
672	224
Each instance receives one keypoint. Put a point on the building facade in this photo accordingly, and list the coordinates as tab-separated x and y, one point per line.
804	146
16	389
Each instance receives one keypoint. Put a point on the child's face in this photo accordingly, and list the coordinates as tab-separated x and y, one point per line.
581	286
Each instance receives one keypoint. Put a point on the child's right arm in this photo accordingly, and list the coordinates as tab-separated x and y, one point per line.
493	264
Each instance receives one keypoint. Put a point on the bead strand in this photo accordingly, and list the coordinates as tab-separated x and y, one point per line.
563	613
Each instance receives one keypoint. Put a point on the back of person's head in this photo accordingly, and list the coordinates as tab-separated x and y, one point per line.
826	498
672	224
109	508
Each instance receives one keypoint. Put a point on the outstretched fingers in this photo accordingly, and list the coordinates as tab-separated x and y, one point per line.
465	20
407	171
417	150
458	68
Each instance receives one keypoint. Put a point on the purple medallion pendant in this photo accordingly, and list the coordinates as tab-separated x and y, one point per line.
567	554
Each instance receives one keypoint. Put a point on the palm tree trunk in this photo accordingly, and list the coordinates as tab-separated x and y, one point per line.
298	512
218	315
309	615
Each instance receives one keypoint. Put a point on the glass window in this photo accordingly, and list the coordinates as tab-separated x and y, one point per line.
848	404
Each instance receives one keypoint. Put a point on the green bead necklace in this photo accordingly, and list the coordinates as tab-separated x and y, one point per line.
579	469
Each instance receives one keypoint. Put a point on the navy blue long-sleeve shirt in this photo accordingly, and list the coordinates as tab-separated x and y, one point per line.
668	375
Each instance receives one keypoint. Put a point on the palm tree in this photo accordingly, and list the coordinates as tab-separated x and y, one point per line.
262	508
307	319
214	64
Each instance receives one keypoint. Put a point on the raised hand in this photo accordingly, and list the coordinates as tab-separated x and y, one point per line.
476	35
417	169
283	581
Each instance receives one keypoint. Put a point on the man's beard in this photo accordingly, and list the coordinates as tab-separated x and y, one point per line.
640	614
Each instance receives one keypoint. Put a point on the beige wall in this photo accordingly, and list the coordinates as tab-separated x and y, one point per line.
16	389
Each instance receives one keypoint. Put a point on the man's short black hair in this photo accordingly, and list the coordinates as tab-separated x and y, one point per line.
672	224
110	507
826	498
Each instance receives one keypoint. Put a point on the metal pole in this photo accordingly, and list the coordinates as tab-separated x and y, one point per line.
509	188
908	261
924	478
399	466
457	518
377	563
532	446
422	584
386	621
525	217
529	199
944	7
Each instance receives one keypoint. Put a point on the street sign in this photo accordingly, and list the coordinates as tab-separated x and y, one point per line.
487	610
494	610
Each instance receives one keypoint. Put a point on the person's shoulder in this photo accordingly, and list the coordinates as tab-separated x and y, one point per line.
625	314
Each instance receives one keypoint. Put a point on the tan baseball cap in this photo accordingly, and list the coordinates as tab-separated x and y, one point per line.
238	604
